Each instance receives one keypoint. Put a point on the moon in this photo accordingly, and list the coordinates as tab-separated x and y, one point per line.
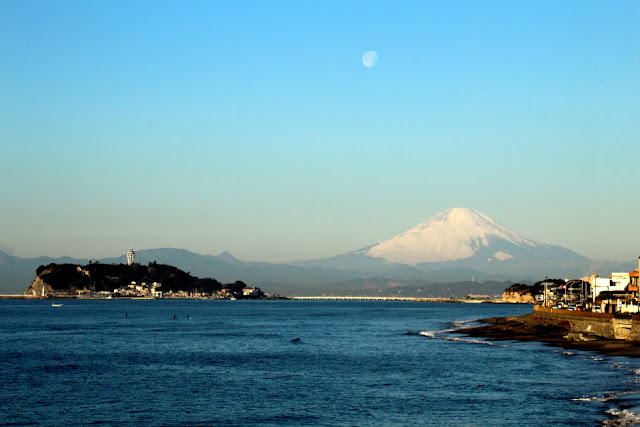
370	58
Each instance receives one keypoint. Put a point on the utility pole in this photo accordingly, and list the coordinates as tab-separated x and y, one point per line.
593	291
571	292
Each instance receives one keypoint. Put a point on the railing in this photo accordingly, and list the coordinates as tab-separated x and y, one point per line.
574	312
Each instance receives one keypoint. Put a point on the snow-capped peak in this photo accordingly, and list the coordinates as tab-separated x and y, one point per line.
227	257
454	234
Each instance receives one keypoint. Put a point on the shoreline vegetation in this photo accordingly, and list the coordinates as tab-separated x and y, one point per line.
529	328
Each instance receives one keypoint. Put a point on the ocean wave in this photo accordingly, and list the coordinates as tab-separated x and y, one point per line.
459	324
622	417
432	334
605	397
592	399
452	327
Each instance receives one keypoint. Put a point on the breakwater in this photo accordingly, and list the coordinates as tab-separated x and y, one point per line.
604	325
362	298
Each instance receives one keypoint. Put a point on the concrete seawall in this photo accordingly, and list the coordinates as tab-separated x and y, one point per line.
587	323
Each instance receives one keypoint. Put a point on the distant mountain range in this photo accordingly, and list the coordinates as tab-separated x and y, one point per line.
437	256
466	241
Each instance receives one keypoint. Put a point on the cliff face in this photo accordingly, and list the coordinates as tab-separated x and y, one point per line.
38	289
520	293
517	297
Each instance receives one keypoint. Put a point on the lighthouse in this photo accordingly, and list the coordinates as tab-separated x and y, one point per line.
131	256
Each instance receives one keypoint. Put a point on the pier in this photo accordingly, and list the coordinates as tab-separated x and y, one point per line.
361	298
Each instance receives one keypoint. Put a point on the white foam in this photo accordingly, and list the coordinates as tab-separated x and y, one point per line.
469	340
604	398
432	334
592	399
622	417
457	324
428	334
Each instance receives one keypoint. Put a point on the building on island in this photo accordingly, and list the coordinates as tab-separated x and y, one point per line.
251	292
131	256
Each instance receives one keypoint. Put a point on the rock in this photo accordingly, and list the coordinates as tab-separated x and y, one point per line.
517	297
38	289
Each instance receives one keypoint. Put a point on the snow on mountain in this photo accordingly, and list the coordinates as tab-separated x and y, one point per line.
454	234
501	256
227	257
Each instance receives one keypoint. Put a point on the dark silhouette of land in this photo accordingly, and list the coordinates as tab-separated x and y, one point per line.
526	328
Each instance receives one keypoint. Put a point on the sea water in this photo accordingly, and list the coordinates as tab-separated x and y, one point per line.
192	362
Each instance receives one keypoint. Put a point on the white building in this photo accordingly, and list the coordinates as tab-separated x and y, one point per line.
617	282
131	256
250	292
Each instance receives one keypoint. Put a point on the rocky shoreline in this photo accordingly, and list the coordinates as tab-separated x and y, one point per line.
526	328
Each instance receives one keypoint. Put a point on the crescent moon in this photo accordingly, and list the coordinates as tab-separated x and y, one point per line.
370	58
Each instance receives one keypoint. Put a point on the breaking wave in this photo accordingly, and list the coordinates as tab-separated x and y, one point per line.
603	397
591	399
436	335
622	417
448	338
458	324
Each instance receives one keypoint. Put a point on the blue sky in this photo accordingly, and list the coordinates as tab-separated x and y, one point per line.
254	127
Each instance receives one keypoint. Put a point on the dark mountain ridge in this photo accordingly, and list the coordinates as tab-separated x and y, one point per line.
16	273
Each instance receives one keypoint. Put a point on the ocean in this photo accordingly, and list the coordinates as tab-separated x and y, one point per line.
130	362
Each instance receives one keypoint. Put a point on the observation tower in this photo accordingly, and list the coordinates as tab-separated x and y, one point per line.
131	256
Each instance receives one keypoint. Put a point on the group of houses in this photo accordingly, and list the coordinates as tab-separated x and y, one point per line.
617	293
152	290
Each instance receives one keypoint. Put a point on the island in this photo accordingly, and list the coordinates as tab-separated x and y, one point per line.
96	280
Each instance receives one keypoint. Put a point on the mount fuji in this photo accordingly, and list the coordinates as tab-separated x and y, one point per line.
460	239
459	246
452	235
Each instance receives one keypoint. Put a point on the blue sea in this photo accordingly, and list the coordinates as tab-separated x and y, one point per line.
129	362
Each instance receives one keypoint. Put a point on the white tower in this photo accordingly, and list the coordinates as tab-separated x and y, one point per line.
131	256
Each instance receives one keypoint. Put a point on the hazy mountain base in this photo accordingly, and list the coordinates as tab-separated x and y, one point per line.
17	274
525	263
380	287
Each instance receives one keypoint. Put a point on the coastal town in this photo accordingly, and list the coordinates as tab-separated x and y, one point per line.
153	291
593	313
616	294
